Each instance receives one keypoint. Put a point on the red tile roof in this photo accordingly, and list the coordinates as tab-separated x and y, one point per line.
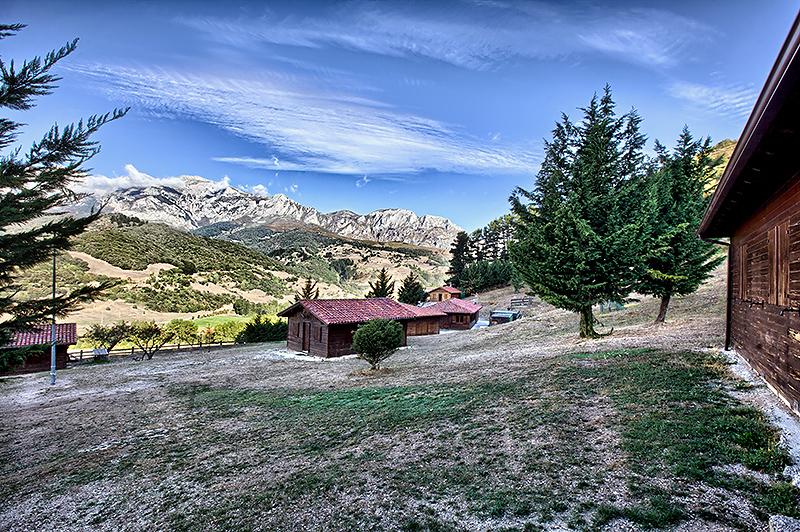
448	289
424	312
457	306
339	311
66	334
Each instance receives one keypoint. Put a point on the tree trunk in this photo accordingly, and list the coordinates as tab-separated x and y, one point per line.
662	311
587	324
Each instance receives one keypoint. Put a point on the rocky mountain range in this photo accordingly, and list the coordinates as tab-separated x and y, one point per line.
200	202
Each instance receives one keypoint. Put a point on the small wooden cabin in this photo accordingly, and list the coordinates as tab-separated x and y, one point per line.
460	314
428	320
757	205
325	327
443	293
39	338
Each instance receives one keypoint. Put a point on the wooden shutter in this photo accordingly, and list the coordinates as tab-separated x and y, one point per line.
757	270
793	262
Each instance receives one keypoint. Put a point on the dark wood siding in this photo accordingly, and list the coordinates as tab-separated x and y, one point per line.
765	284
459	321
303	324
40	361
423	326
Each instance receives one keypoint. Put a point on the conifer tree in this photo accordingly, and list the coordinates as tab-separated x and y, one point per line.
581	232
460	257
678	261
411	290
37	182
383	285
308	291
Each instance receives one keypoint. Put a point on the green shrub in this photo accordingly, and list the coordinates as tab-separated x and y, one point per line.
261	329
377	340
183	331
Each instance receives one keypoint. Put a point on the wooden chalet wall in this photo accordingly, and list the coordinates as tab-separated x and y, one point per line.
440	294
459	320
40	361
765	289
302	324
423	325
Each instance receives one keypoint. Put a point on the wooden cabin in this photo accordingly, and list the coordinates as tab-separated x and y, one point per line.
757	206
460	314
325	327
427	321
38	338
443	293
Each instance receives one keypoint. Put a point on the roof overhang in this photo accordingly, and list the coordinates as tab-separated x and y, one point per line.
766	157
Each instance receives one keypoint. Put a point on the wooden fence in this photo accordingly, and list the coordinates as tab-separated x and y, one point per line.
517	302
85	355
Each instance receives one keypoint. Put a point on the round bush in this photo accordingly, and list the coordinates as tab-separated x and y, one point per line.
377	340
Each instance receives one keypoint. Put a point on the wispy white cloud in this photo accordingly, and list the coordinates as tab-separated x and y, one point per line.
476	35
310	128
260	190
362	181
100	185
725	100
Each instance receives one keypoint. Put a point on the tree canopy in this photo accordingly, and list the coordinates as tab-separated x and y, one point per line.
383	285
677	260
582	230
35	186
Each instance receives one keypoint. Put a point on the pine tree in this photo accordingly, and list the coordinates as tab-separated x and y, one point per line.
678	260
581	232
308	291
460	257
383	286
37	182
411	290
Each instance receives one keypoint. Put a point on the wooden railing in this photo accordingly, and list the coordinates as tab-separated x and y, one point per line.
517	302
85	355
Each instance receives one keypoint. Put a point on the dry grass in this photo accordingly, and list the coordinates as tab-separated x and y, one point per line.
521	426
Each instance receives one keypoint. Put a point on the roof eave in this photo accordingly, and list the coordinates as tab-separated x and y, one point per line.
755	128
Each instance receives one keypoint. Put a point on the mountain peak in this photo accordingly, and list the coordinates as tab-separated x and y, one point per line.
201	202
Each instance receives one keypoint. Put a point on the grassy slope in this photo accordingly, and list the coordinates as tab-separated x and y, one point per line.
578	440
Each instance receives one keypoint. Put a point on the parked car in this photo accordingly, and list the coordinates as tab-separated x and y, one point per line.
503	316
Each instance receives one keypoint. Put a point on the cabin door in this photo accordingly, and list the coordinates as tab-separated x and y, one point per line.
306	335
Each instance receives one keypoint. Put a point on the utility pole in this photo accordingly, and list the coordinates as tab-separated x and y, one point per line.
53	328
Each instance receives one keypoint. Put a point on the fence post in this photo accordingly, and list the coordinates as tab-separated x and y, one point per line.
80	356
131	350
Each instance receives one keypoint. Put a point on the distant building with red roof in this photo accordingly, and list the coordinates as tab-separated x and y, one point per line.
460	314
443	293
325	327
40	335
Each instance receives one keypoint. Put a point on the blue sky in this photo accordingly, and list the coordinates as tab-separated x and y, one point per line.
436	107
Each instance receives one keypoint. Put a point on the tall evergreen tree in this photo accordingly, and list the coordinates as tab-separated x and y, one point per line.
383	285
581	232
460	257
37	182
308	291
411	290
678	261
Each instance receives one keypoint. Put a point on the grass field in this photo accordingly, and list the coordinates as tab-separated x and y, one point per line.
515	427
